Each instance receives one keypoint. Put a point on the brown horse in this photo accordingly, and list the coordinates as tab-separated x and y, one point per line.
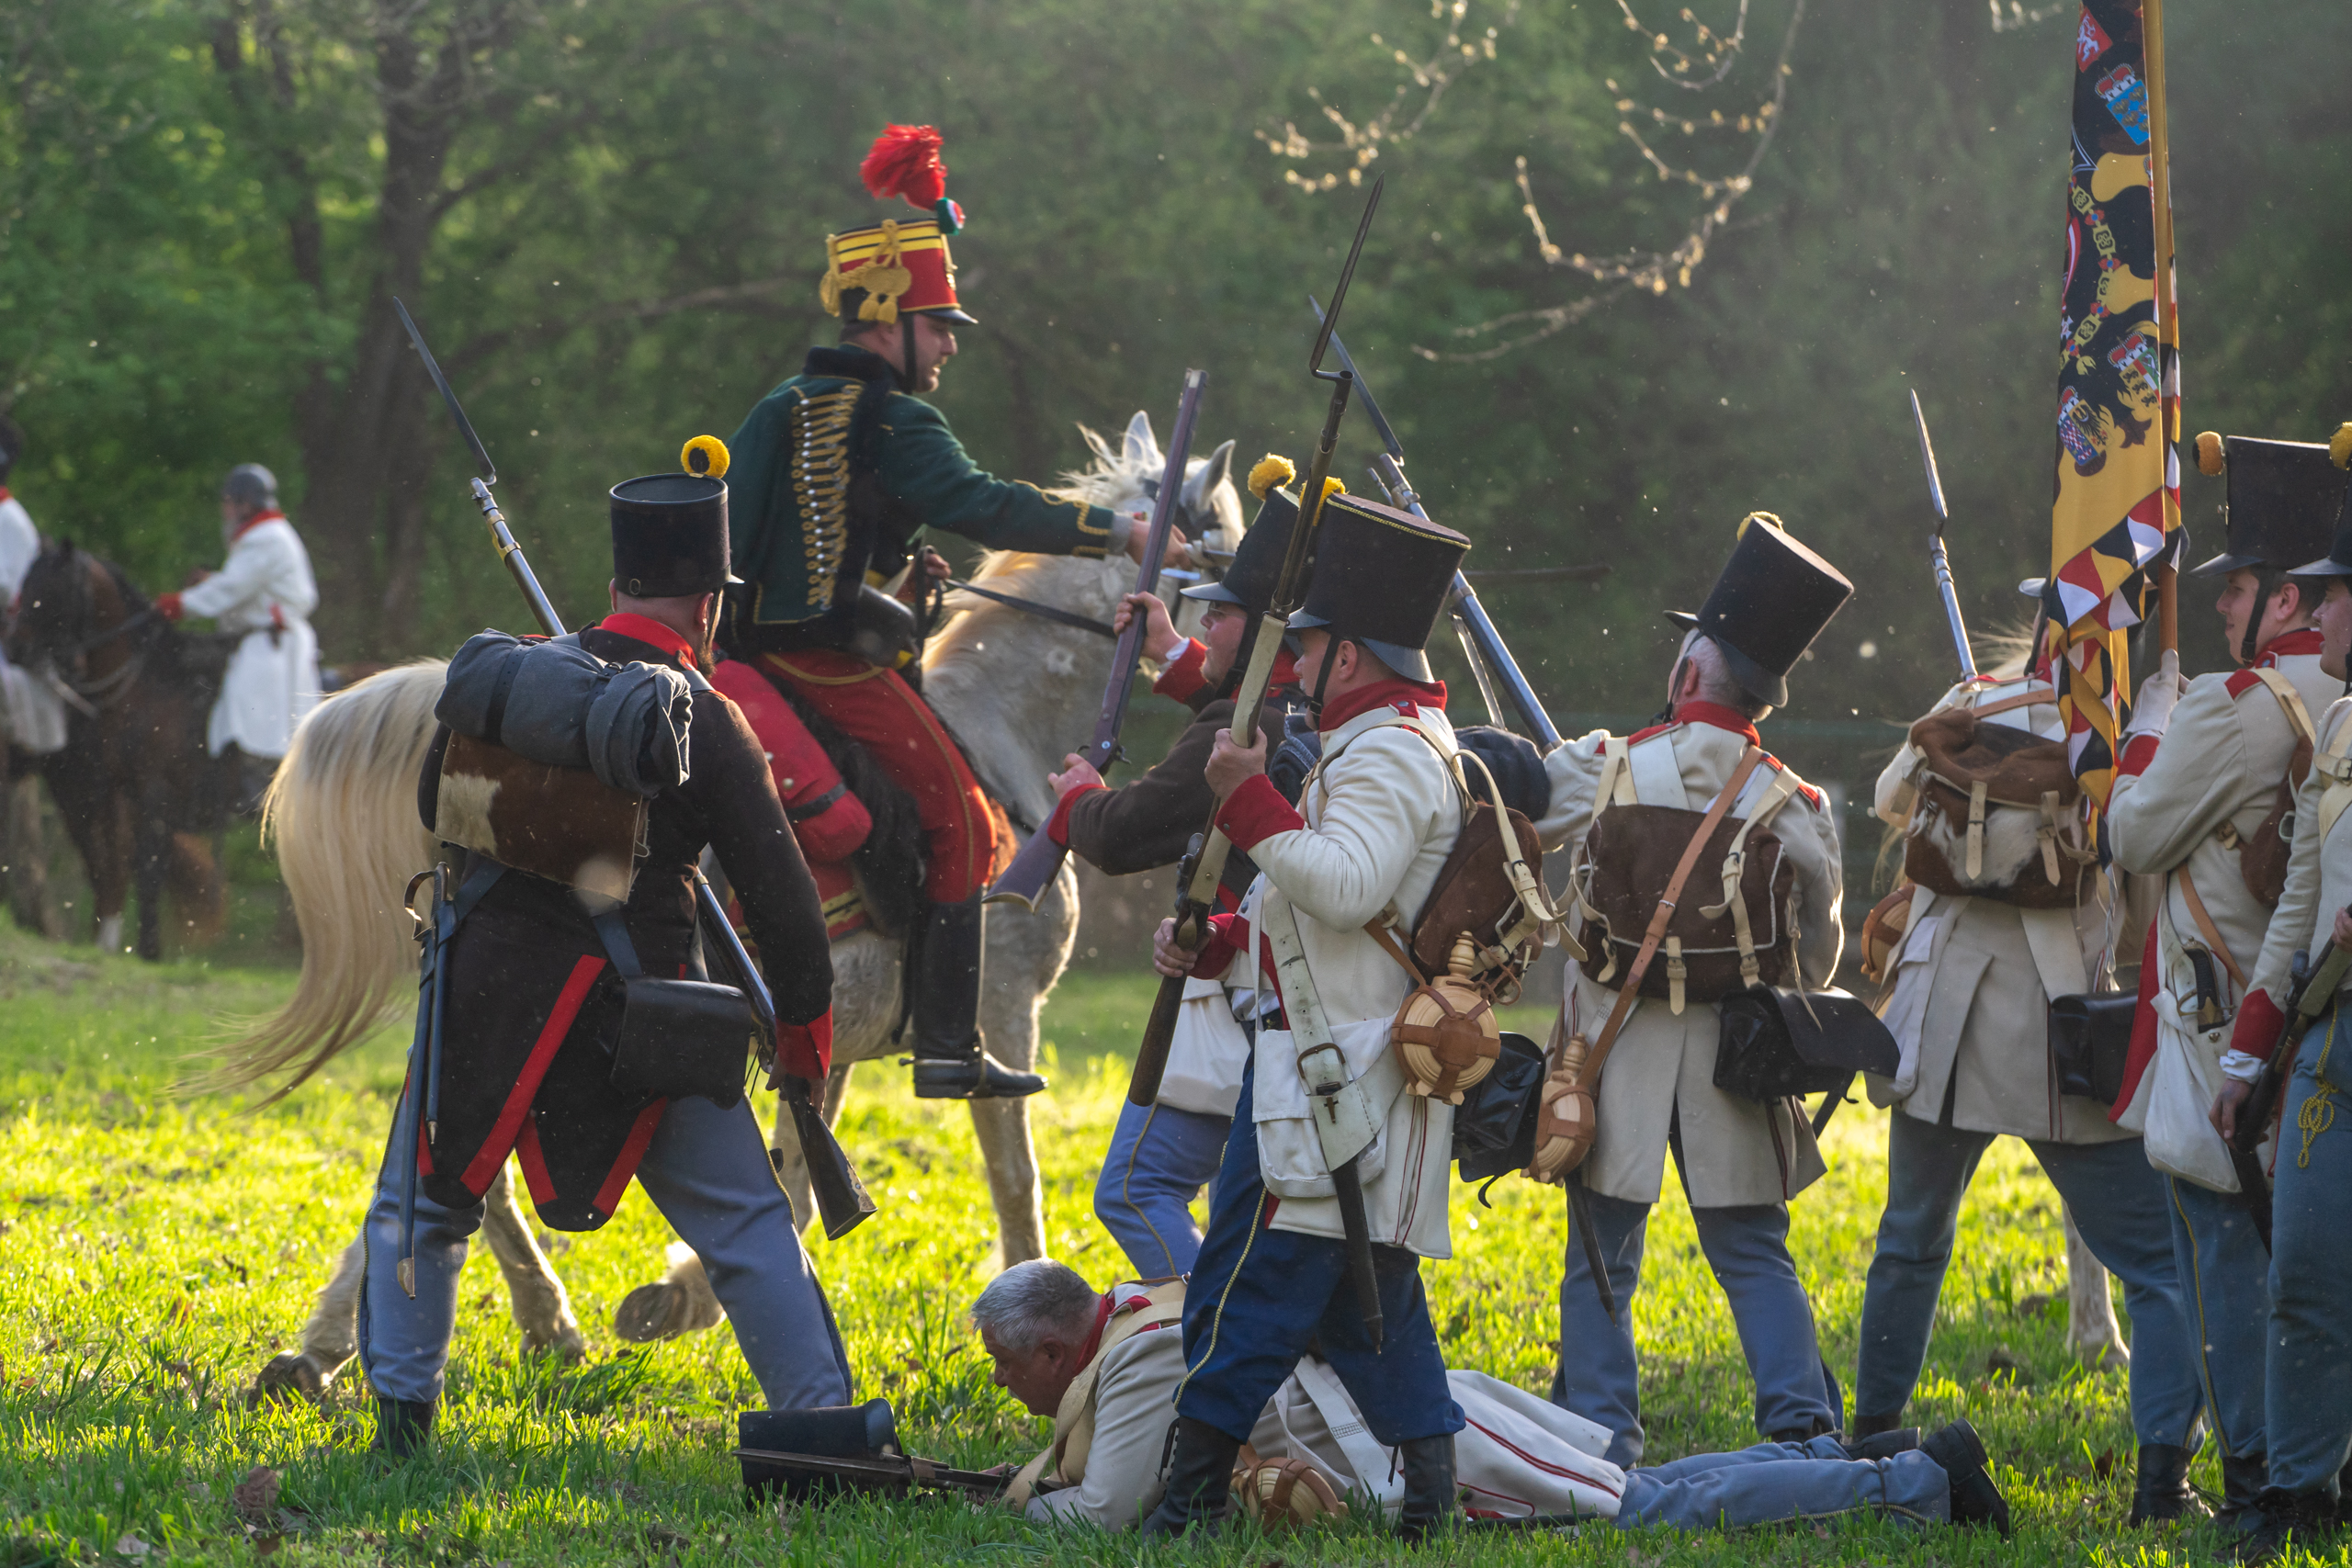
135	782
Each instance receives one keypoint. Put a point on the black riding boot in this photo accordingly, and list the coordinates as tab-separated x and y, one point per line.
1960	1452
1881	1445
1871	1426
950	1061
2160	1490
1429	1490
2243	1481
2308	1518
1199	1481
404	1426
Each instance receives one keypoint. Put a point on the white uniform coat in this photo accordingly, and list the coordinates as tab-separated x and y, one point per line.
2319	882
32	717
19	543
1971	1007
1381	813
1662	1068
2218	763
1518	1454
265	589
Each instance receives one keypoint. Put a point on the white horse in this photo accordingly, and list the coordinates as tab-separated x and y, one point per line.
1018	692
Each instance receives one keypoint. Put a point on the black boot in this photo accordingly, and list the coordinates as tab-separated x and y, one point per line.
1199	1481
1881	1445
2306	1517
1820	1428
404	1426
1871	1426
1430	1492
950	1061
2243	1481
1959	1453
2160	1490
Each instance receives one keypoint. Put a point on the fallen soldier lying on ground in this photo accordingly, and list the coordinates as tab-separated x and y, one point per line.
1106	1368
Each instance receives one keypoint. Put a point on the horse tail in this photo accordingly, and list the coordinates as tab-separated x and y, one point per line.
342	813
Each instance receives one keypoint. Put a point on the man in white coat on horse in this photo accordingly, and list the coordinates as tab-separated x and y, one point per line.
264	590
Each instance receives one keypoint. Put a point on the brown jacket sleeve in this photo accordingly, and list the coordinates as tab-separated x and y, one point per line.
1146	824
735	795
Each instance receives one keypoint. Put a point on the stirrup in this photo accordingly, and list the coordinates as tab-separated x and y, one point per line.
977	1076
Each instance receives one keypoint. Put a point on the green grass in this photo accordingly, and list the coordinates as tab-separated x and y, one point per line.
154	1252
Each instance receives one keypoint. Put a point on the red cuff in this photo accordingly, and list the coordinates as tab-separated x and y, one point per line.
168	606
1256	812
806	1050
1057	824
1182	679
2138	752
2259	1022
1229	937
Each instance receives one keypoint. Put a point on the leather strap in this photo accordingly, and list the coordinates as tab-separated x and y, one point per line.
2034	697
1378	929
2291	703
2205	928
1631	991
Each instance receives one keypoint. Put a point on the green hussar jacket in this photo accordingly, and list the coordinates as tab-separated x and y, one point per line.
834	475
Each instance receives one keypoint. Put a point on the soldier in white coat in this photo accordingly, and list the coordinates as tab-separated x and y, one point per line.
1106	1369
1740	1161
2197	780
264	591
1970	1010
32	718
1375	824
2307	1406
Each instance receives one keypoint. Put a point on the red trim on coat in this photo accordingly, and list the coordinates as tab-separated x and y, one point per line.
806	1050
616	1180
255	521
510	1123
2287	645
1256	812
1407	697
1182	678
2143	1050
1102	1310
2259	1022
534	1161
2140	751
651	632
1057	824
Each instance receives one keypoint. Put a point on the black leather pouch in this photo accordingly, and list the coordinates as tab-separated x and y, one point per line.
1773	1043
2089	1037
680	1038
1494	1127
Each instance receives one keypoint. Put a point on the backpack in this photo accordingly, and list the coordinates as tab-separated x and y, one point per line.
1997	812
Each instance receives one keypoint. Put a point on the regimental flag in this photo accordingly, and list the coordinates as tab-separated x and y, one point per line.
2118	489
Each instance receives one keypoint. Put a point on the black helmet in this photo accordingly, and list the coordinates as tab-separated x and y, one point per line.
670	536
1253	574
1773	599
250	484
1382	578
2282	501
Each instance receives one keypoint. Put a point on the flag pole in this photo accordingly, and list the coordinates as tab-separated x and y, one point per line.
2151	43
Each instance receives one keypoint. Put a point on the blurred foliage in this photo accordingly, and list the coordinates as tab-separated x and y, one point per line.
610	218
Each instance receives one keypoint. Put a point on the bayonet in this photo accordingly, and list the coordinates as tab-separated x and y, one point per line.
1939	558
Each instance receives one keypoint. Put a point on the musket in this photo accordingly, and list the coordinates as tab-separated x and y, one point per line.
1491	664
892	1472
820	1150
2311	992
1040	859
1937	555
1196	890
421	1096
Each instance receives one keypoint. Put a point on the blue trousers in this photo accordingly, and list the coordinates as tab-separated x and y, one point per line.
1773	1482
2226	1288
2119	1203
2309	1366
1258	1296
1158	1159
1747	1248
707	1171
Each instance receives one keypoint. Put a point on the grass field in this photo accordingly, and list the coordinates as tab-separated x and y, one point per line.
155	1252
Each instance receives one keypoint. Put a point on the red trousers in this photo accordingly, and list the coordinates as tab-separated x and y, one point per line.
879	710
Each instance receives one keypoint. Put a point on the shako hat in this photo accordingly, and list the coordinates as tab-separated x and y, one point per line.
1773	598
823	1431
873	275
1382	578
2338	562
2282	500
1255	571
670	530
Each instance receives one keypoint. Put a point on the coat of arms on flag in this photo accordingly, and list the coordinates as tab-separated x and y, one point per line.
2117	484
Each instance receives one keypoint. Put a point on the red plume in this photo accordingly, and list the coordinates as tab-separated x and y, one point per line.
905	163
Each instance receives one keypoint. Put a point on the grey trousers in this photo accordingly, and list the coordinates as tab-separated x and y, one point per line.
707	1171
2308	1368
1773	1482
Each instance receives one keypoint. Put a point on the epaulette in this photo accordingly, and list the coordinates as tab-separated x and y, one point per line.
2241	682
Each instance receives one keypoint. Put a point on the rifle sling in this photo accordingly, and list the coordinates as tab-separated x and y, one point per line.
1630	992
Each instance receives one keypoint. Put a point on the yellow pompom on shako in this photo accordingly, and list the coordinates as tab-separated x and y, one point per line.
2210	460
705	455
1271	471
1285	1493
2339	446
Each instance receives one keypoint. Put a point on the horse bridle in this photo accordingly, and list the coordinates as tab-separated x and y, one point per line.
89	696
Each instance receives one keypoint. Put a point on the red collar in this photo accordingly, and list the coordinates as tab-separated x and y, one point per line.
2286	645
651	632
255	521
1407	697
1720	716
4	495
1102	1310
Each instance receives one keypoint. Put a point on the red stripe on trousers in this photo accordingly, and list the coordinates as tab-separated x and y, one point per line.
884	714
509	1125
609	1197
